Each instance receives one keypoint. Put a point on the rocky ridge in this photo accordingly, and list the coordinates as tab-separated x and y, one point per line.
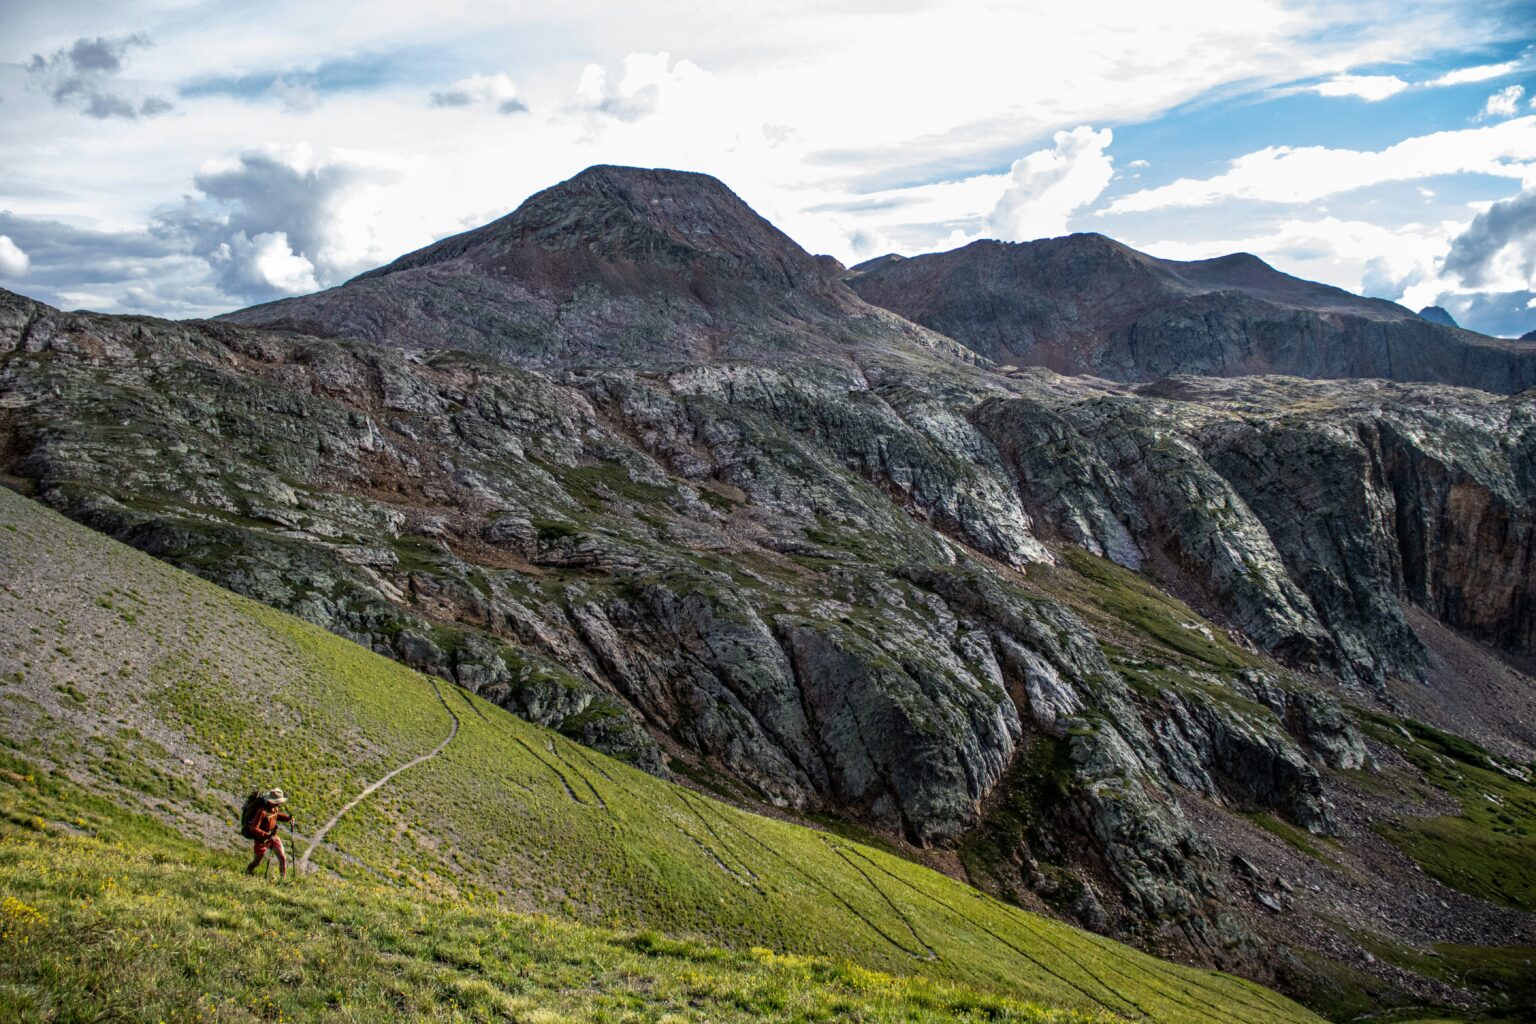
1086	304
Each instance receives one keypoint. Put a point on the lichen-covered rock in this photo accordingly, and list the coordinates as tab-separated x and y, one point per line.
1299	476
1198	522
1061	476
918	743
1237	754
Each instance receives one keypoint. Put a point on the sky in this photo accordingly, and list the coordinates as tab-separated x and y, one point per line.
187	157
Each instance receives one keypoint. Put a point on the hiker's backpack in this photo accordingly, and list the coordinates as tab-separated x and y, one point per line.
253	804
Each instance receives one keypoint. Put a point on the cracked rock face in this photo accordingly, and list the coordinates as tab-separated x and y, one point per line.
691	501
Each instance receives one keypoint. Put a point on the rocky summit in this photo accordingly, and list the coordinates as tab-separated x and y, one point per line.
1086	304
1233	666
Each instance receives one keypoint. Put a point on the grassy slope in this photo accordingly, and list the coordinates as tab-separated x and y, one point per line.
149	685
1489	849
110	915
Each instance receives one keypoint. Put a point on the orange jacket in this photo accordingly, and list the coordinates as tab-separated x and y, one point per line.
265	823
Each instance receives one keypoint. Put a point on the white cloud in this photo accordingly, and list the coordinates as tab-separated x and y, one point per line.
1367	87
13	261
277	220
638	89
497	92
1283	174
922	218
86	76
1504	103
1472	268
266	264
1046	187
296	95
1480	73
1352	254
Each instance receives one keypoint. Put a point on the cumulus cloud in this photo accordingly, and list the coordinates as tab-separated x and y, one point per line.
1504	103
1286	174
265	264
84	75
256	226
1497	251
639	88
497	92
278	221
1366	87
1046	187
1505	314
13	260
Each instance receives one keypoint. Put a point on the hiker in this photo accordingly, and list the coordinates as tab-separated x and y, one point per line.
259	821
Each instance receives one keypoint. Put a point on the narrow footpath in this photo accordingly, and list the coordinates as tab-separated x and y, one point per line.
368	790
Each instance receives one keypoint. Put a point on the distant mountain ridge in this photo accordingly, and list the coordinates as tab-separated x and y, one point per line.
639	268
1086	304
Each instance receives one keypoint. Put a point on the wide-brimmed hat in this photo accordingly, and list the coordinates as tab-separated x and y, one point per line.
275	796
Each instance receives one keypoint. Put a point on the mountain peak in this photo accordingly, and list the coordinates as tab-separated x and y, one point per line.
614	266
875	263
1438	315
629	214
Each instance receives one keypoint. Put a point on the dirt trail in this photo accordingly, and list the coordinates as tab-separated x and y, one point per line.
368	790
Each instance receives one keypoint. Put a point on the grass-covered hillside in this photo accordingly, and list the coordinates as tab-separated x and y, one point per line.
138	703
108	915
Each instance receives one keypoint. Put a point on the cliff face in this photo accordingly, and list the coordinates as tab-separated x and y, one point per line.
799	551
1087	304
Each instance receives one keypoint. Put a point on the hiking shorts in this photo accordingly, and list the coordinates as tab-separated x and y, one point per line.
269	843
